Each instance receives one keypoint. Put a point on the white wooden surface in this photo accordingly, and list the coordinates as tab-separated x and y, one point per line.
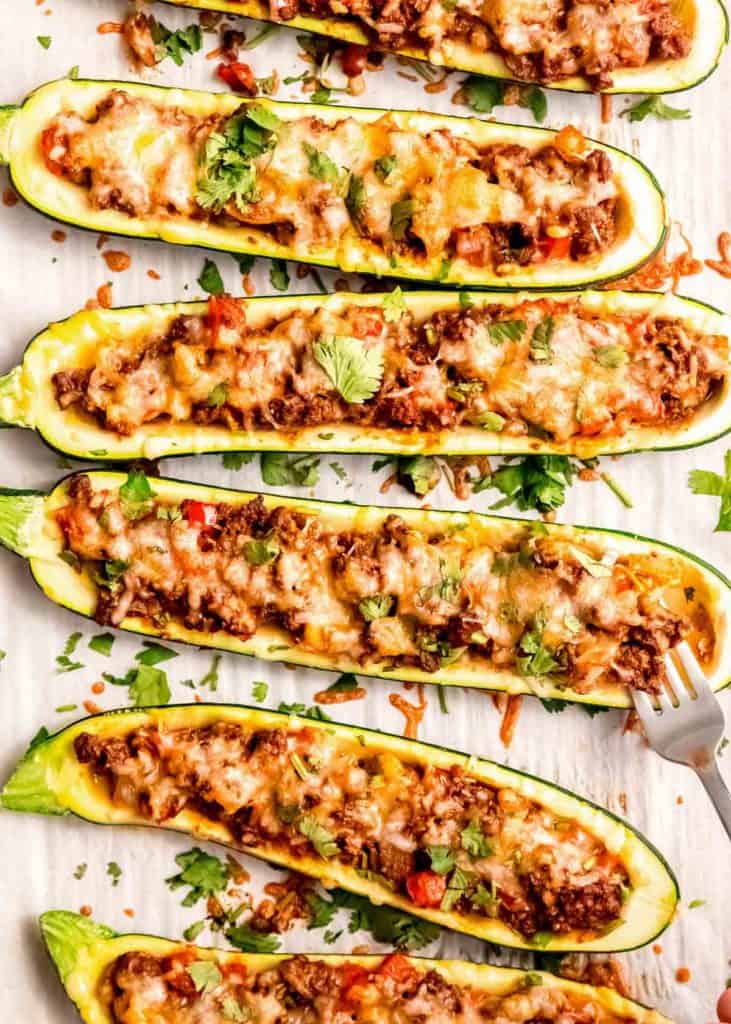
41	280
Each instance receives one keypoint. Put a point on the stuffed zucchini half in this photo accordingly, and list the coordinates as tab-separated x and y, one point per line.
463	599
116	978
463	842
573	45
414	195
588	373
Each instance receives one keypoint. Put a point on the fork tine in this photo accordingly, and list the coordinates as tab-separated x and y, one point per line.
644	708
692	669
682	694
663	699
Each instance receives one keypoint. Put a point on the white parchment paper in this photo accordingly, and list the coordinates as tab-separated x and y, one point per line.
43	280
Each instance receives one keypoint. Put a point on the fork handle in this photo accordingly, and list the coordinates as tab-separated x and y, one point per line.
717	790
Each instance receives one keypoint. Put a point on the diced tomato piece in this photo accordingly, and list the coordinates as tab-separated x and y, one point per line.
396	965
555	248
426	888
368	323
199	513
238	76
353	60
49	140
223	310
352	974
570	142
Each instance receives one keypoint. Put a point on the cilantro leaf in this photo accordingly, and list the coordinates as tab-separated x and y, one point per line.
376	607
534	99
149	687
45	41
259	691
705	482
322	911
417	473
401	214
154	653
259	552
210	278
345	683
474	842
136	496
483	94
394	306
386	924
506	330
442	859
204	874
536	482
279	276
205	974
655	106
102	643
355	199
235	460
114	872
64	662
384	166
315	712
355	371
321	839
280	470
321	166
540	342
247	940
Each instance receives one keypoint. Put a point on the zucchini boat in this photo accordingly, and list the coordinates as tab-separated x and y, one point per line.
468	600
401	193
458	375
677	46
460	841
113	978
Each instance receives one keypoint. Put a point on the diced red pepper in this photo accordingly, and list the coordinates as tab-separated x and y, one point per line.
199	513
426	888
570	142
555	248
223	310
368	323
396	965
49	141
238	76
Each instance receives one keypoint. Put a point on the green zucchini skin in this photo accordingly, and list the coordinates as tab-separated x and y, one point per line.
82	950
27	400
642	202
27	528
49	780
711	33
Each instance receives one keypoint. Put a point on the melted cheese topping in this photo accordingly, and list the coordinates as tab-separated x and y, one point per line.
565	607
437	836
313	185
141	988
597	376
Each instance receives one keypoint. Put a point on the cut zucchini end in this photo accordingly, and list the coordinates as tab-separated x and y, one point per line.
27	789
7	116
66	934
21	520
15	401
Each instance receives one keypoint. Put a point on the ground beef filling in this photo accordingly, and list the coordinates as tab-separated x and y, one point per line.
544	42
139	987
478	367
312	185
436	836
534	605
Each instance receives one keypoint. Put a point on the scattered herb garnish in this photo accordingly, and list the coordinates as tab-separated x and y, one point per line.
249	941
45	41
259	552
175	45
210	279
136	496
154	653
279	276
703	481
102	643
205	974
204	875
354	369
114	872
655	106
281	470
64	663
376	607
236	460
259	691
321	839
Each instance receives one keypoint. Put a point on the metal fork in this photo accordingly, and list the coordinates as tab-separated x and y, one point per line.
688	725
